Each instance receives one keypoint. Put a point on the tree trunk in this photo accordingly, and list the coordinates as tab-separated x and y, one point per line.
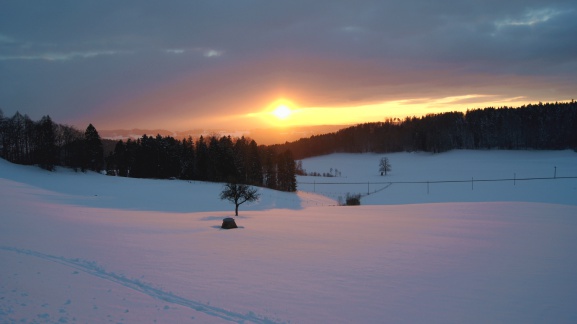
236	210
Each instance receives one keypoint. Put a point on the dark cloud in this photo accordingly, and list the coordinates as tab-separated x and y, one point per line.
77	60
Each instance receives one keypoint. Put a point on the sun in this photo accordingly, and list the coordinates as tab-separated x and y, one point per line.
282	111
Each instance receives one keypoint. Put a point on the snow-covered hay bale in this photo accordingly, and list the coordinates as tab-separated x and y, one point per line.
228	223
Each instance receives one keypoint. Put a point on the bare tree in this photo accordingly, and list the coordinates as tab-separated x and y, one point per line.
384	165
238	194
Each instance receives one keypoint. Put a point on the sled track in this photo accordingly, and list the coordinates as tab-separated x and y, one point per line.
94	269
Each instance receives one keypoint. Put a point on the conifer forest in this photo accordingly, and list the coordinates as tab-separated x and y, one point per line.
549	126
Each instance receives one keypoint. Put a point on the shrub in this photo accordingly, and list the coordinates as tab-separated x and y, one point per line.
353	200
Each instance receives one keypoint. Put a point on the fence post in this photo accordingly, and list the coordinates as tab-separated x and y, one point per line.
368	188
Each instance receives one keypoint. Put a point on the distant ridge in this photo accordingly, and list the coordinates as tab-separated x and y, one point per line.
266	136
549	126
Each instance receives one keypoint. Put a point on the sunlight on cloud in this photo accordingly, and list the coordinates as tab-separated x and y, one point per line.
455	99
283	113
205	52
531	18
61	56
280	113
212	53
174	51
424	106
352	29
308	116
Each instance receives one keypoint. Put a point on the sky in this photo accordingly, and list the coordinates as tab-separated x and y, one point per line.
218	64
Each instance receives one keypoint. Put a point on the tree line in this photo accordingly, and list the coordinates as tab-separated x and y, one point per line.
48	144
212	158
536	126
224	159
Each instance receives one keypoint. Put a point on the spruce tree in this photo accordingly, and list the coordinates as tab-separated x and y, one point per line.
286	167
253	165
201	165
93	149
120	159
187	159
45	143
269	168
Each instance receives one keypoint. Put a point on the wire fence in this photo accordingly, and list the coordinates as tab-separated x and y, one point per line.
281	200
382	185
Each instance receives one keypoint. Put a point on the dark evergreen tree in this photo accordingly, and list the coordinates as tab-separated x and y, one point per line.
147	158
241	160
15	134
201	163
72	144
132	148
269	168
253	164
227	169
286	166
94	152
46	154
119	160
28	145
187	159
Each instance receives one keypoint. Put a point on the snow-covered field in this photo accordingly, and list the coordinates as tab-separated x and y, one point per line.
87	248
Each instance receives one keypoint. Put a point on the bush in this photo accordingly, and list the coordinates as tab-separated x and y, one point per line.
353	200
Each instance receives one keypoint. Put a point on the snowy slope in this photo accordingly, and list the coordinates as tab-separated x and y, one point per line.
86	248
468	169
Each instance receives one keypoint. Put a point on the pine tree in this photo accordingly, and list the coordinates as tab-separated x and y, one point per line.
120	159
269	168
226	160
241	160
94	152
286	172
72	147
201	165
46	150
187	159
253	165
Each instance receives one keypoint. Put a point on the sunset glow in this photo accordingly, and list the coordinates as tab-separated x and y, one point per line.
296	65
279	113
282	112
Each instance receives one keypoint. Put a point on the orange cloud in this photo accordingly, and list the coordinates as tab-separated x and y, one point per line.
239	95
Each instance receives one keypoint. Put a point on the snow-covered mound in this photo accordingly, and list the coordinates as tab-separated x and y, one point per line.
87	248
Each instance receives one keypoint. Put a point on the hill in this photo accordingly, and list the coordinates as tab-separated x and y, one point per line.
455	176
90	248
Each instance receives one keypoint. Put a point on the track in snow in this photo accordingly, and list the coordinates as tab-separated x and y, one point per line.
94	269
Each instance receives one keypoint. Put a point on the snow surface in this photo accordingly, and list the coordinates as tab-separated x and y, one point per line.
88	248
